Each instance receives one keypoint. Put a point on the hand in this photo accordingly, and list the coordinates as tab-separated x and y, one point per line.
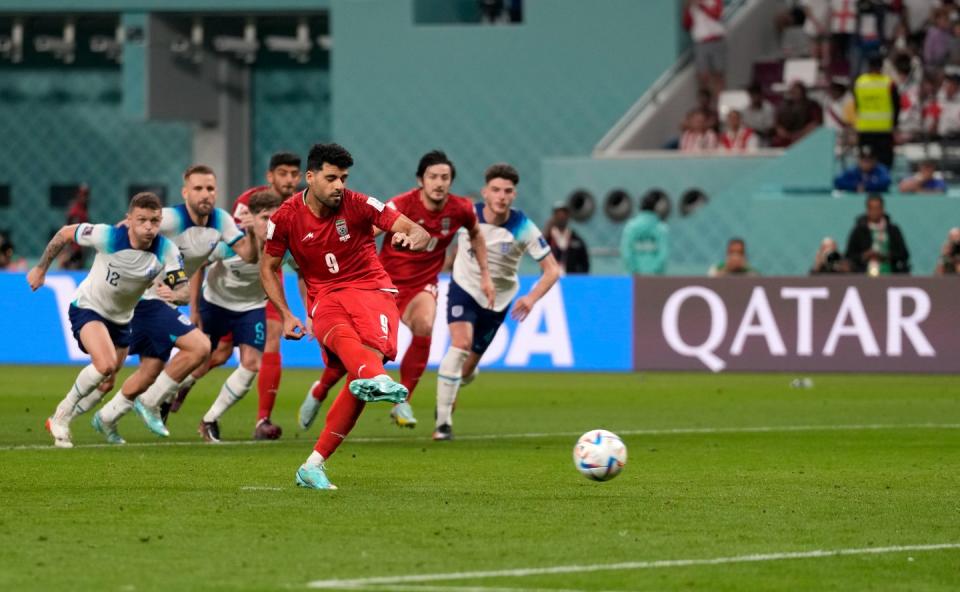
35	278
293	328
870	254
164	292
522	307
244	220
401	241
486	284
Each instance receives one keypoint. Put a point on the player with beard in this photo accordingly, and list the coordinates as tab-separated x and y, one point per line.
415	275
329	231
283	177
195	227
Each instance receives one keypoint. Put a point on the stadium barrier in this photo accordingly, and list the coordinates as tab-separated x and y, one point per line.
585	323
839	324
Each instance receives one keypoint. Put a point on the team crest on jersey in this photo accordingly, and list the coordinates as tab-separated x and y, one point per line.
505	248
87	230
342	230
445	226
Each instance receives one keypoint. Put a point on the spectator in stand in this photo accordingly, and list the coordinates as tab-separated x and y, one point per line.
871	30
816	25
736	262
698	137
704	20
949	261
75	256
759	114
878	106
867	176
918	112
843	25
953	54
736	137
9	261
839	111
828	259
645	242
705	105
905	69
936	46
916	15
491	11
947	110
926	180
565	244
796	117
876	245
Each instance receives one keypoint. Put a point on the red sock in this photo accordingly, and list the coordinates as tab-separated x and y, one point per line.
414	362
359	361
331	375
341	418
268	381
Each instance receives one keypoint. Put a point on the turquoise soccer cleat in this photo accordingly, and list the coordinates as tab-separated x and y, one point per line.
151	418
308	410
380	388
402	415
313	477
108	430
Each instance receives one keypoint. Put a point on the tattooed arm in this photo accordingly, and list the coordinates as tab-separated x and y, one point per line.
62	238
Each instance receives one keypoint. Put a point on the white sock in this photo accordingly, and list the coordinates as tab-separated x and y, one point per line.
87	381
87	403
159	390
116	408
315	458
187	383
448	383
236	386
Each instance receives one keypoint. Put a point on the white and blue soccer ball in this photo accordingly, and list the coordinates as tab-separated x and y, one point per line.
600	455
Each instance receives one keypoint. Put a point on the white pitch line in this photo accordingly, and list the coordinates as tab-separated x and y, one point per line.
422	588
534	435
260	488
362	583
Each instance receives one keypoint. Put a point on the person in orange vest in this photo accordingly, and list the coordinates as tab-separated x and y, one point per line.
878	108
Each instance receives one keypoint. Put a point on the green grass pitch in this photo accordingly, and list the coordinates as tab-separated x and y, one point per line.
720	467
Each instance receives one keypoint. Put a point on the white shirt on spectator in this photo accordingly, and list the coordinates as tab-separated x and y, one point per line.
836	111
705	27
948	122
820	11
760	119
918	13
743	140
843	16
692	141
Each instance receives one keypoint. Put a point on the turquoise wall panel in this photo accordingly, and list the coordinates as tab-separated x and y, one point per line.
782	206
66	125
291	111
550	86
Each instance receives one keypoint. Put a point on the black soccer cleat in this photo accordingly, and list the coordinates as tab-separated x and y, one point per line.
444	432
210	430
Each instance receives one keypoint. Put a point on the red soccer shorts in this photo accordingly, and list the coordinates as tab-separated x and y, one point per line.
408	293
372	314
272	313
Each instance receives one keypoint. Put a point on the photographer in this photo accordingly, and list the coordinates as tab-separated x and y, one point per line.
829	259
949	261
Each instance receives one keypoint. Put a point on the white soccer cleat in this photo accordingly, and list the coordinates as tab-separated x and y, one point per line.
60	430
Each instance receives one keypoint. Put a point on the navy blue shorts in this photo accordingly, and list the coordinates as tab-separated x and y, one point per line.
249	328
119	334
156	327
461	307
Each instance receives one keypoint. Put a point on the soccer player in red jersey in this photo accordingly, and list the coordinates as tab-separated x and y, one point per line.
415	275
283	178
329	231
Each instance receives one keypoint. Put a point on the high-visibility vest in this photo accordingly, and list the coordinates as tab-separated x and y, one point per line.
874	103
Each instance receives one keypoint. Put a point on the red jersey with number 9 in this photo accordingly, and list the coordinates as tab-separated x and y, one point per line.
335	251
409	269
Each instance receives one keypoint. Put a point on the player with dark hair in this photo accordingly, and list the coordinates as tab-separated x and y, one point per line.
232	311
283	178
441	214
329	230
129	257
196	227
508	234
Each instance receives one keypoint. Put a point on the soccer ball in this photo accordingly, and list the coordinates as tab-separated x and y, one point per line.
599	455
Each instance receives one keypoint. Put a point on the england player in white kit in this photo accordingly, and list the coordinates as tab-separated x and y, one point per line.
233	303
129	258
508	234
196	227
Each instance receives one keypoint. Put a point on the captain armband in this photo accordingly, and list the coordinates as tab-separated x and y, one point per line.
175	278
